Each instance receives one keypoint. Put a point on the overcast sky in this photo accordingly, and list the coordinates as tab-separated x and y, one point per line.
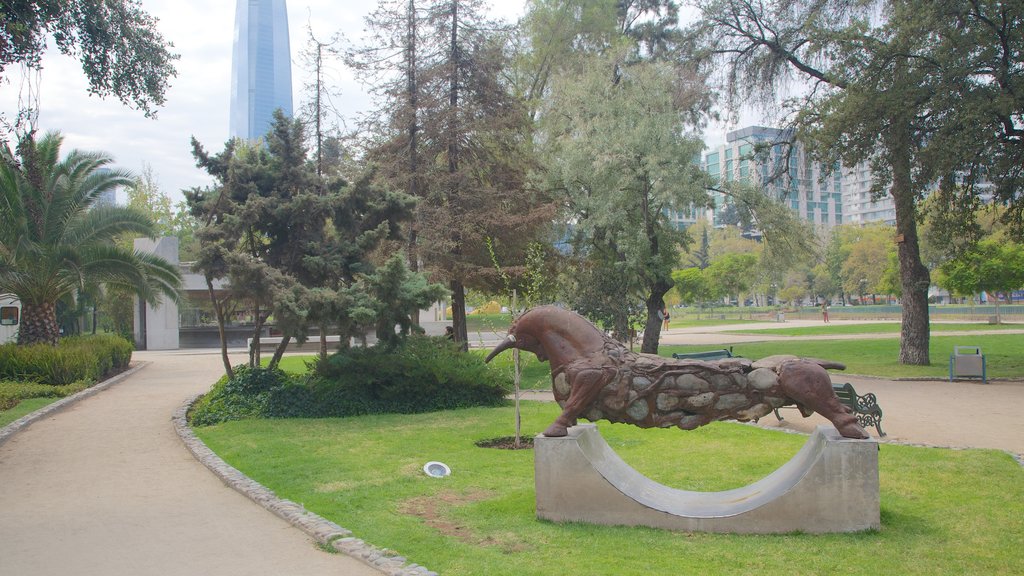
198	100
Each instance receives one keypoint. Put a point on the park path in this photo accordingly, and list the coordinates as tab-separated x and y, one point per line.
107	487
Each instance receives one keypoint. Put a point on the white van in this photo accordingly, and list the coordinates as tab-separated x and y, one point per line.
10	318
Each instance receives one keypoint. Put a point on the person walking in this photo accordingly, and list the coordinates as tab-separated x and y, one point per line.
824	310
665	317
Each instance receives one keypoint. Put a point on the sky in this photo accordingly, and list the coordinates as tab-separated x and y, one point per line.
198	99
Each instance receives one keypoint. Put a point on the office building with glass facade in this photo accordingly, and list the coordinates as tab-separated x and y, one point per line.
261	67
757	155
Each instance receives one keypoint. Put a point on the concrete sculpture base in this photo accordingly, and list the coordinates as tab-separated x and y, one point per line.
831	485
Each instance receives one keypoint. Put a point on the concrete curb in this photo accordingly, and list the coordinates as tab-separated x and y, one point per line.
324	531
49	410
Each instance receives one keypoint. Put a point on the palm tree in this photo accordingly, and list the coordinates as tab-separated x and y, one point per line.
55	240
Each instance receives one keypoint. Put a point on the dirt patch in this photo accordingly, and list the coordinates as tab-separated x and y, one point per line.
433	510
507	443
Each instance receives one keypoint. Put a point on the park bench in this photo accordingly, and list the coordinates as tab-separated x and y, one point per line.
865	407
708	355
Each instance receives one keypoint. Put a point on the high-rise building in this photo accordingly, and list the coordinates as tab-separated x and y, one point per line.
261	67
755	155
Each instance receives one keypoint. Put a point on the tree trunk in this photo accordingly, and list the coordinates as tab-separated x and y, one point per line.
279	352
914	277
38	324
656	300
652	329
254	348
412	127
323	342
461	333
218	310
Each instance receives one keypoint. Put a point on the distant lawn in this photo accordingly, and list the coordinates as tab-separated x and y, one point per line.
879	328
293	364
944	512
878	357
695	323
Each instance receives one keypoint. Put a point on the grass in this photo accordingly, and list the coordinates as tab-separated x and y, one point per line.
878	357
878	328
298	364
943	511
24	408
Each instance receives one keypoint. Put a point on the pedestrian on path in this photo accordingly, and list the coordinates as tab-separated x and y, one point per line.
824	310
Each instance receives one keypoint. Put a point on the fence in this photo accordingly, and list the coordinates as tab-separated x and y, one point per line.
937	313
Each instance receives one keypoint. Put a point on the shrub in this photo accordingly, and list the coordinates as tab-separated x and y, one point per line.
13	392
420	374
247	395
73	359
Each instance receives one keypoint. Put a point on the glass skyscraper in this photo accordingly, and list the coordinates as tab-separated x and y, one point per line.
261	67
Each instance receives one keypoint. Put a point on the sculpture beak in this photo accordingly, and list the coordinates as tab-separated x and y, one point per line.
508	342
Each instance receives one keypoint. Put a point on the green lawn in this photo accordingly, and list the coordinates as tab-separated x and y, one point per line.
878	357
879	328
943	511
24	408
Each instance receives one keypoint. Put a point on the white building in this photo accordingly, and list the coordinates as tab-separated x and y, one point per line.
10	318
156	327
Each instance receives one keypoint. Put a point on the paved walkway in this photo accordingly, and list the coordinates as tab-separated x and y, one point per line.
106	487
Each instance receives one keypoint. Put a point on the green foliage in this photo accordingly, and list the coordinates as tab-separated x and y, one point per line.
247	395
74	359
993	265
731	274
54	239
121	51
398	294
422	374
692	286
12	392
418	374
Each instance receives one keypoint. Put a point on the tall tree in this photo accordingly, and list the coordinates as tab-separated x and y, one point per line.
994	265
54	241
617	137
558	35
459	139
121	51
862	103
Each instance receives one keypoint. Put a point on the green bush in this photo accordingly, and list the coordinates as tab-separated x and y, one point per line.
73	359
247	395
13	392
419	375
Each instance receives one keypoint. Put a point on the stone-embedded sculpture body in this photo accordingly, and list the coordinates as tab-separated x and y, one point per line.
596	377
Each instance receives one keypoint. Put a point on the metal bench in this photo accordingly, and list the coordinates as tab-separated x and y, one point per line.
865	407
708	355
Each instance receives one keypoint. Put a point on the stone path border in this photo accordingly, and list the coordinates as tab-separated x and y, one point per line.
324	531
50	409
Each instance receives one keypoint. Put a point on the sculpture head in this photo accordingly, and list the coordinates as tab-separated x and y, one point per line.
523	339
552	333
